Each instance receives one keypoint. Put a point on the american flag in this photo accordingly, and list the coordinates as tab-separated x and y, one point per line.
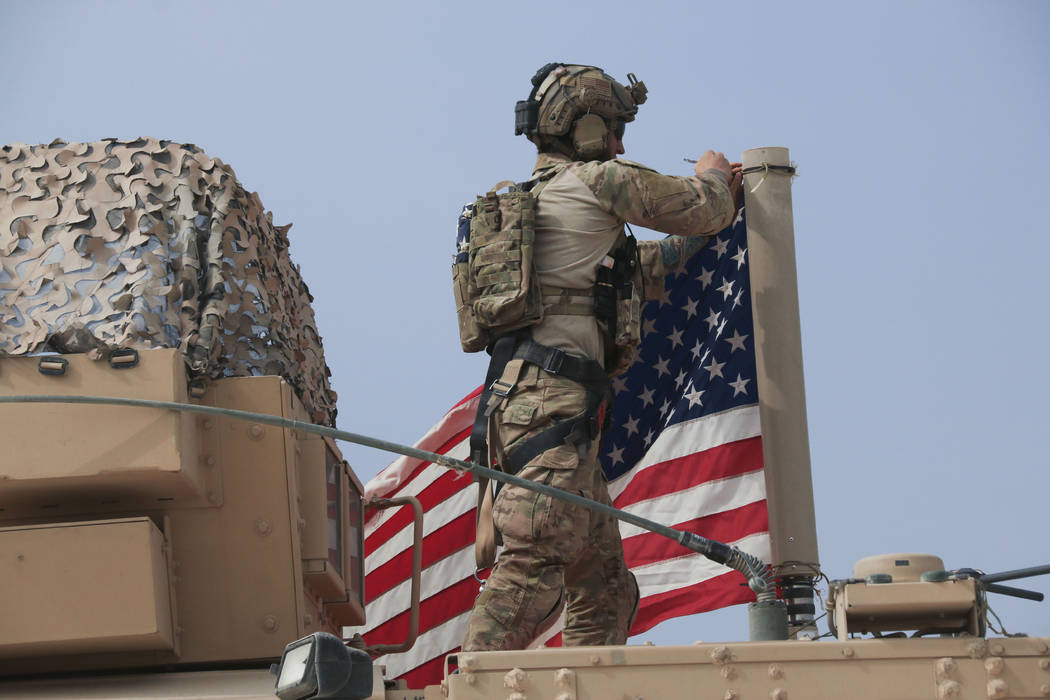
684	449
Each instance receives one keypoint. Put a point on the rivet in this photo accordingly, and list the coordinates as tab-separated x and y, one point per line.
978	649
270	623
1042	648
720	654
998	649
945	667
467	662
948	689
308	619
595	659
470	678
848	652
263	527
20	556
997	689
1045	689
210	461
255	431
994	665
515	679
775	672
731	695
208	424
1044	664
778	694
564	677
728	672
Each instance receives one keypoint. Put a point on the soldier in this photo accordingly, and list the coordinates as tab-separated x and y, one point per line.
551	382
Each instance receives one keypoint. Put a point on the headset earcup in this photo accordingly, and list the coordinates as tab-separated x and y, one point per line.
590	137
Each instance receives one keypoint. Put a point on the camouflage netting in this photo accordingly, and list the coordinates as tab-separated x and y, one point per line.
144	244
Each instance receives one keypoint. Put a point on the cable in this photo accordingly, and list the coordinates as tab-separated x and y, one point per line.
758	574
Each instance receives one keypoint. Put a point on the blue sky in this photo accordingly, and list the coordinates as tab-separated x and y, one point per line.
919	129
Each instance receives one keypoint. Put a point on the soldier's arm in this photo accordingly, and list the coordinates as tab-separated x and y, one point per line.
698	205
692	208
658	258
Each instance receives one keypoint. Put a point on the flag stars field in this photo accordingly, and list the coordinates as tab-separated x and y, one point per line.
715	368
739	257
739	386
736	341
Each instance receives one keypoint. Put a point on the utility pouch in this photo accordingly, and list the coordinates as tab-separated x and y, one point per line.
623	322
496	286
472	336
628	328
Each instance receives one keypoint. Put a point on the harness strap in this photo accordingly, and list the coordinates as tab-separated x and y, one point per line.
502	353
572	431
557	361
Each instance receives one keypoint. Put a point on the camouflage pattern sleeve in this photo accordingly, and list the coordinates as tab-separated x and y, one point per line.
658	258
692	208
686	206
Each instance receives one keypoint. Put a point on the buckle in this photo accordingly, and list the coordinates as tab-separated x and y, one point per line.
501	388
553	361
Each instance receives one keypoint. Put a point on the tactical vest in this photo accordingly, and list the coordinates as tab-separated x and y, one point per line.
497	289
499	297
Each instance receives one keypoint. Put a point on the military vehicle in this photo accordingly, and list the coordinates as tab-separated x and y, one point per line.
176	519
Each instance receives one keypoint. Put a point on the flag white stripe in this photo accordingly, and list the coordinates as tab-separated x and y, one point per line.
437	641
727	494
680	572
653	579
719	429
697	501
457	419
433	520
690	437
425	478
708	498
436	577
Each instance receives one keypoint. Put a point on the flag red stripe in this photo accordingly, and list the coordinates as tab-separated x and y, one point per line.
719	592
436	546
727	526
680	473
445	447
430	673
433	495
450	602
727	589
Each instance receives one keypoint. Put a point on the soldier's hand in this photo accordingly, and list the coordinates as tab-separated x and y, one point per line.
736	184
713	161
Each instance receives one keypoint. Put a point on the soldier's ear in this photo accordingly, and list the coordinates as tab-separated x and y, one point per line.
590	137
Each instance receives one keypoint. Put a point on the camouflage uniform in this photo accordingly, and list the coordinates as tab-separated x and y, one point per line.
555	552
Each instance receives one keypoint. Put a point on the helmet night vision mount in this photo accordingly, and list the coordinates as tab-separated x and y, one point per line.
582	103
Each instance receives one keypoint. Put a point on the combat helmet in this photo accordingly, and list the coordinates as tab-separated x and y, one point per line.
573	108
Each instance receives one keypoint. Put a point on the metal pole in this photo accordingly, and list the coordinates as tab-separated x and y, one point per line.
778	355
